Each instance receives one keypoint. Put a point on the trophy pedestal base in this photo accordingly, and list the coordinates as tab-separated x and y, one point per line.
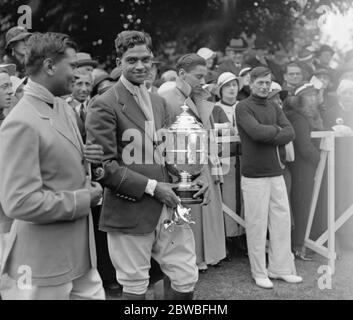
186	195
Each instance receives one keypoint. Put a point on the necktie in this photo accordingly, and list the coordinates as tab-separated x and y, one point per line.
82	113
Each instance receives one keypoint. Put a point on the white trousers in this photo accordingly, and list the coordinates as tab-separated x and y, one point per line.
174	251
267	208
87	287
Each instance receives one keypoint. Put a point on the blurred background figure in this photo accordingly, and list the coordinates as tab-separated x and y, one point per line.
115	74
16	39
342	114
234	59
153	77
324	57
17	88
6	90
80	97
209	56
262	58
303	113
101	84
293	77
244	82
306	63
85	62
169	75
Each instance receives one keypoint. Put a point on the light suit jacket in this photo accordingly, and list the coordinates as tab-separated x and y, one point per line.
42	187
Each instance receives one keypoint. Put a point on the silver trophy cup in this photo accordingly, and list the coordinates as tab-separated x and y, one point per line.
186	154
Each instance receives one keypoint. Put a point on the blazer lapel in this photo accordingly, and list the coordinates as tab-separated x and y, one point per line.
131	109
157	112
205	110
129	106
45	112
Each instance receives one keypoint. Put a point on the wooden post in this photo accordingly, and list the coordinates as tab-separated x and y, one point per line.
327	155
331	202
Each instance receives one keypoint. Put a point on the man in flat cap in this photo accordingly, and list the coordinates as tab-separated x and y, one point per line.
264	131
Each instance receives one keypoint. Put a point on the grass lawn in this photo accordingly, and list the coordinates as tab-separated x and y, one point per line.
232	281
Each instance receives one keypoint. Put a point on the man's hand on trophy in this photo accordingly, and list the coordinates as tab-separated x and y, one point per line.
205	191
165	194
93	153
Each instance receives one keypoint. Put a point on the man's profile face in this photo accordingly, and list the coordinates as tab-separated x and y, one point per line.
64	77
261	86
82	87
196	78
5	91
294	75
136	64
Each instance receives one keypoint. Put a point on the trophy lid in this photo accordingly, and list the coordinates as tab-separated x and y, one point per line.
186	121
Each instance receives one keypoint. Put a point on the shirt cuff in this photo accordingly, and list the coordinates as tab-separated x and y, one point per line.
151	186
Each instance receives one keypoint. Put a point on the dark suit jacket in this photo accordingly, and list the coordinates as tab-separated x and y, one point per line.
126	206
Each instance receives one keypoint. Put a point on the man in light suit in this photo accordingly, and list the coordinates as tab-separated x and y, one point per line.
138	197
44	185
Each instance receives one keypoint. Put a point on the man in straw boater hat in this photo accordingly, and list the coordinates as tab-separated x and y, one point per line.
264	130
45	185
234	57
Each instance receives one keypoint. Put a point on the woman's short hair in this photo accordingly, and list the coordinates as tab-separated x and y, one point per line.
128	39
41	46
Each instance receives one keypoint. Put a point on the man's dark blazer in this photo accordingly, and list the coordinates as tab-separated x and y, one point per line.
126	206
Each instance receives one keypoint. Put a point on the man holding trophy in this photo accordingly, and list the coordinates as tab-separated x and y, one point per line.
139	197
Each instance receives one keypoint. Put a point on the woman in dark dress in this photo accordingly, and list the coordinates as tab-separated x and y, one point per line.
303	113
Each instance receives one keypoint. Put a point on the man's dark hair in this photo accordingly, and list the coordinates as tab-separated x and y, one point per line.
128	39
41	46
292	64
190	61
259	72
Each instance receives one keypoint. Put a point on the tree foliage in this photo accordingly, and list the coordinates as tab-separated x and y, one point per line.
94	24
